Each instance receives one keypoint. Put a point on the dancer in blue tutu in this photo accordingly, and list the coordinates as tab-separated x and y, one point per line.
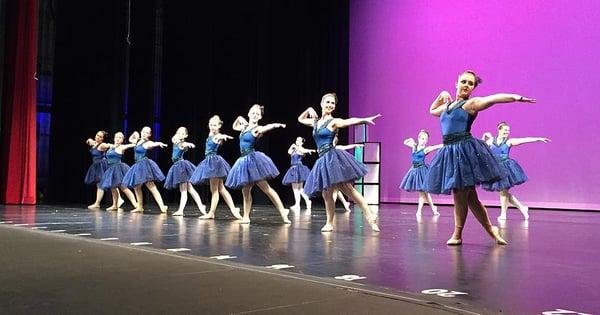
334	169
501	146
297	173
144	171
254	167
214	169
113	176
415	178
464	161
99	165
181	171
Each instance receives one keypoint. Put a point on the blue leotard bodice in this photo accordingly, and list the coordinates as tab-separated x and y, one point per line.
211	147
296	159
177	152
113	157
456	120
323	137
247	141
97	155
418	157
139	151
501	150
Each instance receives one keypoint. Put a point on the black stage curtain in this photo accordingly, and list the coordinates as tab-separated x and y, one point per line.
187	61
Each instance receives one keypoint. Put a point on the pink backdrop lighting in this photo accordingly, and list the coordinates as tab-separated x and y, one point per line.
403	53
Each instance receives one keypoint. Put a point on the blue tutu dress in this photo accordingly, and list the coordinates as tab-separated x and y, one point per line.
298	172
98	167
213	165
181	171
144	170
252	166
113	177
333	166
463	161
416	177
516	175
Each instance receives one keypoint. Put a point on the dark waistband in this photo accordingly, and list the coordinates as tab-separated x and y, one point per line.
247	151
141	158
176	160
325	148
457	137
418	164
209	153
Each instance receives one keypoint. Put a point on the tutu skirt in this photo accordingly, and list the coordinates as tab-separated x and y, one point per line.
296	174
463	164
516	176
213	166
180	172
113	177
334	167
251	168
96	171
144	170
415	179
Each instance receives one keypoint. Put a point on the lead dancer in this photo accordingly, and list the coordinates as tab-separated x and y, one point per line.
464	161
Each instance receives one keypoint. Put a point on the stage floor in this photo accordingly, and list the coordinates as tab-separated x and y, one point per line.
550	264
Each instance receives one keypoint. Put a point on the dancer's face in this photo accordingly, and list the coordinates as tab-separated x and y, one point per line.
465	85
119	137
328	105
181	133
299	141
214	126
146	133
99	137
254	114
504	132
423	138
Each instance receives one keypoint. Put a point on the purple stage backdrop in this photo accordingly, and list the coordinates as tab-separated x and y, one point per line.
403	53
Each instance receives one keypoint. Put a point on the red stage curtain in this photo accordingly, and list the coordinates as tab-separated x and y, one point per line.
18	164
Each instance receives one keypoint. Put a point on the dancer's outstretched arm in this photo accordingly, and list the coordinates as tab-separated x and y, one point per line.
260	130
349	146
432	148
218	138
478	104
518	141
344	123
154	144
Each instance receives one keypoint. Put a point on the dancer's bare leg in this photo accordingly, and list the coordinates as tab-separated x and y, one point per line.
115	199
434	208
460	215
129	195
515	202
421	203
305	196
272	194
214	199
196	198
329	208
139	196
228	200
99	195
296	191
338	195
503	204
157	197
481	215
247	193
182	200
349	191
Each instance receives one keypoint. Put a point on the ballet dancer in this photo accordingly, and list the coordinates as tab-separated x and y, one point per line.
254	167
181	171
98	167
464	161
112	179
415	178
334	169
297	173
501	146
144	171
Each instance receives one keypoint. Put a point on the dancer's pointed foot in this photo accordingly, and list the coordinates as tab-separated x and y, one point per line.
236	213
418	214
177	213
435	210
525	211
111	208
373	222
502	217
120	202
202	209
94	206
295	207
327	228
497	237
308	205
347	206
208	216
163	209
137	210
245	221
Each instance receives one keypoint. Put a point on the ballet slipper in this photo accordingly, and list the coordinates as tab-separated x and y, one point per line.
418	214
308	205
137	210
295	207
497	237
120	202
327	228
245	221
207	216
111	208
525	211
163	209
502	217
177	213
435	210
347	206
284	216
373	222
454	241
94	206
236	213
202	209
